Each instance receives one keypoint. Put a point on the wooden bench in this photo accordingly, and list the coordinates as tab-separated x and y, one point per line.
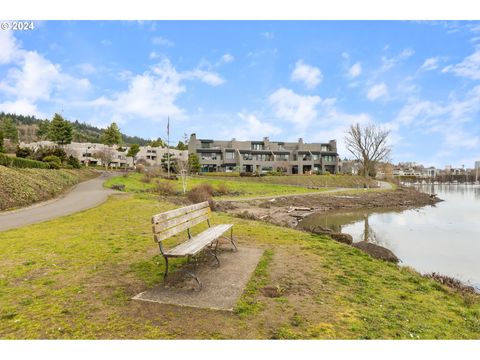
170	223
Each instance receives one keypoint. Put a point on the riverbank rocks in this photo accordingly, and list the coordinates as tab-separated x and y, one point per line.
320	230
376	251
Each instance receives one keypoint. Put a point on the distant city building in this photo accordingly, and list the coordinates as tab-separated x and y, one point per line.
265	155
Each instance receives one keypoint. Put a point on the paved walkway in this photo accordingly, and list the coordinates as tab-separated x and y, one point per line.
83	196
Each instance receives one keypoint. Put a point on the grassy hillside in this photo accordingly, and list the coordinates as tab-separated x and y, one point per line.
22	187
74	277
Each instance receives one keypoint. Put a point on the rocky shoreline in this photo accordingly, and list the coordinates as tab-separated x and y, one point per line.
289	211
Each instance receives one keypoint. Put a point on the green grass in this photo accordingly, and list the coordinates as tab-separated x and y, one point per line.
74	278
134	183
348	181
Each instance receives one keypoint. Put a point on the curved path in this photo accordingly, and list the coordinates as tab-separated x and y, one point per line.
83	196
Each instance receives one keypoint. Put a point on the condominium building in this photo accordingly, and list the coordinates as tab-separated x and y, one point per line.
91	153
265	155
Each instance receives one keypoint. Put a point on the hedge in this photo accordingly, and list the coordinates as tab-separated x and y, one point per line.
21	163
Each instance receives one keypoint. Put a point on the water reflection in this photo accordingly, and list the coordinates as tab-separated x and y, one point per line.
443	238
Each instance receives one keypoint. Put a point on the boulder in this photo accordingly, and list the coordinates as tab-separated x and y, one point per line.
320	230
376	251
343	238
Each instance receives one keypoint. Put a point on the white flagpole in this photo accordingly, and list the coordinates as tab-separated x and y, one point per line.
168	147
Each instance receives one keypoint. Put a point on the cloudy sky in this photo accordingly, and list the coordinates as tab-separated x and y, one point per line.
252	79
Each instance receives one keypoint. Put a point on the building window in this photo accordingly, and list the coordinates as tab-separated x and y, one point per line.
328	158
229	155
258	147
247	157
316	156
210	156
306	157
282	157
206	145
263	157
325	148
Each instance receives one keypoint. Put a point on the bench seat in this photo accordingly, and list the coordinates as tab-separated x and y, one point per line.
194	245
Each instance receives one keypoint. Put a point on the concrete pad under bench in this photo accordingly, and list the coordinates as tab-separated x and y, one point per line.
222	286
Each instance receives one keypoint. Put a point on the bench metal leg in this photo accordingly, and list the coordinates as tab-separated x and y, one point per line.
166	268
232	241
213	252
235	249
189	273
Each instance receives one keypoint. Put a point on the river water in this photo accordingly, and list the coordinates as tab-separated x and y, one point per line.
444	238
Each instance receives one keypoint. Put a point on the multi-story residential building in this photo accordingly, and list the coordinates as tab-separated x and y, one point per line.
263	156
91	153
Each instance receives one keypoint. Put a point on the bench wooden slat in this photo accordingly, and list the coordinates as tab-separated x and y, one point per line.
177	212
184	226
197	243
165	225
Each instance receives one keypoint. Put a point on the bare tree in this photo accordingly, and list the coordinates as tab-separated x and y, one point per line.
183	167
368	145
105	156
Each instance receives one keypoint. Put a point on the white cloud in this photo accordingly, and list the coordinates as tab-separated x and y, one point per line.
249	125
9	47
355	70
207	77
430	64
87	68
33	78
291	107
153	95
469	67
225	59
161	41
377	91
268	35
388	63
21	106
311	76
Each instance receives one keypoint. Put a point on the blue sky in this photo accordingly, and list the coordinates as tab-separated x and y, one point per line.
249	79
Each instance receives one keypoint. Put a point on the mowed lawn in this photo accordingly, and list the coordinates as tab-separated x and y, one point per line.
135	182
74	277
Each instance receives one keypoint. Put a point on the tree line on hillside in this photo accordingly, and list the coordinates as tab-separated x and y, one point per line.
63	132
81	132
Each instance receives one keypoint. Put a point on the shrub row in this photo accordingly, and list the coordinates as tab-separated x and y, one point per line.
21	163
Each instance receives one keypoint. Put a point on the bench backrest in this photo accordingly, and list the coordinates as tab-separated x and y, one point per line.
172	222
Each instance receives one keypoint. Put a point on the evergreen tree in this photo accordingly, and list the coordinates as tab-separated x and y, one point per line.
181	146
173	163
157	143
193	163
60	130
112	135
133	151
43	128
10	131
